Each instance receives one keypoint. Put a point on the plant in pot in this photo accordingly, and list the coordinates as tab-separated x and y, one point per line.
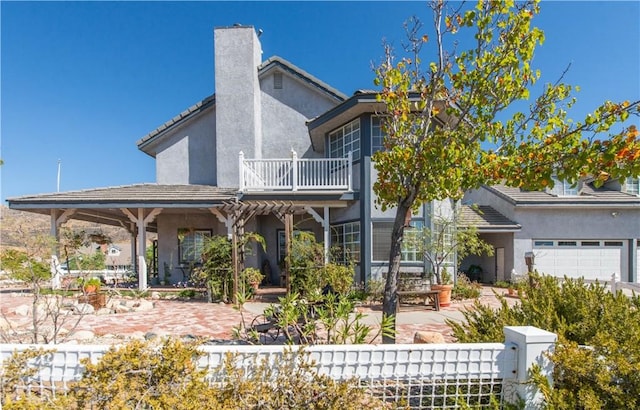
449	237
90	285
253	277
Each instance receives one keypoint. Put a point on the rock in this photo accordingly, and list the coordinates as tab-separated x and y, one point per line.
137	335
428	337
155	295
23	310
143	305
82	335
84	309
121	308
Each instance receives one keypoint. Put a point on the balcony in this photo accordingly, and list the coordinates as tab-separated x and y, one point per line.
295	174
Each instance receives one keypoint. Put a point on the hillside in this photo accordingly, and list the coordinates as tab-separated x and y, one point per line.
16	226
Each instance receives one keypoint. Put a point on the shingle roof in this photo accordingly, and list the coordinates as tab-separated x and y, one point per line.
147	194
189	112
589	195
485	218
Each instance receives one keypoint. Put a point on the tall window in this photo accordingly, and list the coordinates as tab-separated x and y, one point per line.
632	186
190	244
346	238
345	139
563	188
377	136
381	242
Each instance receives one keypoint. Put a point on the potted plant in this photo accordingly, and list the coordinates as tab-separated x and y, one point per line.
253	277
444	286
90	285
91	292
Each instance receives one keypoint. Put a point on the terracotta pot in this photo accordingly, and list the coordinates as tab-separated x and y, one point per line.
445	294
90	288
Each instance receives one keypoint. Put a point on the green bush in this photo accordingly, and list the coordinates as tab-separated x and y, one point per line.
465	289
603	375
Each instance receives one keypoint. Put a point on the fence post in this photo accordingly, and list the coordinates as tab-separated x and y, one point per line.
294	164
532	344
241	169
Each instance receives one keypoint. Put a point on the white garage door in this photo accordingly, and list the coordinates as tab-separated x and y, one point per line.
590	259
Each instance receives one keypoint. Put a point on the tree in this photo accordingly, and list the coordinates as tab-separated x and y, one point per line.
450	125
448	238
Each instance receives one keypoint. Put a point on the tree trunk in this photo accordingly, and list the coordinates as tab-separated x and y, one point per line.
390	300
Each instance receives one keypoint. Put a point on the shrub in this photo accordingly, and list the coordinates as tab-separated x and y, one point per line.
465	289
141	375
604	375
339	277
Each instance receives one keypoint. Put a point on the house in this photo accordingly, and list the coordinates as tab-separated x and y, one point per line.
577	231
274	150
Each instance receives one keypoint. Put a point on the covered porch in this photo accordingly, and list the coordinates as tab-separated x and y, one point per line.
165	209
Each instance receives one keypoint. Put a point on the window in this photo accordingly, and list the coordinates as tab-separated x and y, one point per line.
590	243
282	250
613	243
377	136
410	249
381	241
543	243
567	243
632	186
563	188
345	139
346	238
190	244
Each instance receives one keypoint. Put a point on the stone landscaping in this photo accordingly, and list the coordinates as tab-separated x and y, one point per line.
158	315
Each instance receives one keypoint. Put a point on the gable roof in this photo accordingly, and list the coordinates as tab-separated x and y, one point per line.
486	219
263	69
588	196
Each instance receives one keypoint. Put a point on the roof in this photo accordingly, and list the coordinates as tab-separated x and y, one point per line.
105	205
188	113
588	196
276	61
210	101
361	102
486	219
127	195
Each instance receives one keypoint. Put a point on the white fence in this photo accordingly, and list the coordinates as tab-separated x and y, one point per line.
295	174
620	286
424	376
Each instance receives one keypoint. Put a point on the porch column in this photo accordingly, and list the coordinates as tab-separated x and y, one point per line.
141	224
56	222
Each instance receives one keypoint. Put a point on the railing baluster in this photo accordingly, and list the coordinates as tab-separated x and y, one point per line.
295	174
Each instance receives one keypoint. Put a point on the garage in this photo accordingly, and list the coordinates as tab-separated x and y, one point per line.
590	259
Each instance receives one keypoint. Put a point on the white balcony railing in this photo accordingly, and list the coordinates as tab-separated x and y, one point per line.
295	174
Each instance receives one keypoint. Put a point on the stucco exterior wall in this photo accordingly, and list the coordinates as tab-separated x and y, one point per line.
284	115
187	155
168	225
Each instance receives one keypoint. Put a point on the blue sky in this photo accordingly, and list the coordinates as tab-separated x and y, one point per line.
81	82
